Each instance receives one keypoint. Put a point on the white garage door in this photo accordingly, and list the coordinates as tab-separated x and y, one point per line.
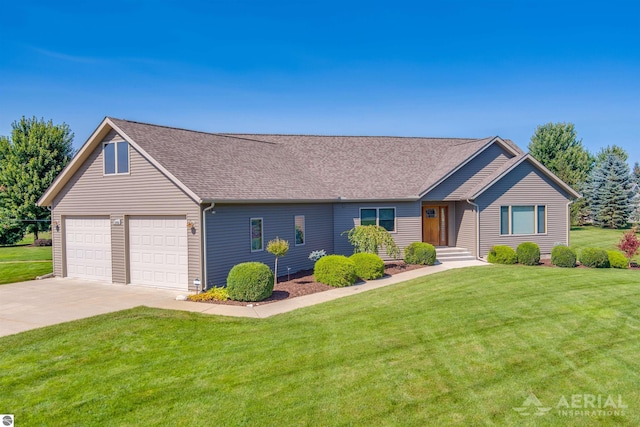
88	248
158	251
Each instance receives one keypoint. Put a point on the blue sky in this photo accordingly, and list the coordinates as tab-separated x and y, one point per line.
430	68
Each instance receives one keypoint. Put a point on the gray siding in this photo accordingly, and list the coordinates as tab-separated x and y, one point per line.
229	241
465	227
524	185
145	191
470	175
408	223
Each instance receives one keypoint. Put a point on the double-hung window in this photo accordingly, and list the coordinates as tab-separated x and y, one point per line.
384	217
116	158
523	220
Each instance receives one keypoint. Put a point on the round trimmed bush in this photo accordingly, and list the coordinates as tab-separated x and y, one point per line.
420	253
594	258
250	281
335	270
563	256
528	253
368	266
501	254
617	260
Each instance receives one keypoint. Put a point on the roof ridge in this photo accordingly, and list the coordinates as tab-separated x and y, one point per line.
350	136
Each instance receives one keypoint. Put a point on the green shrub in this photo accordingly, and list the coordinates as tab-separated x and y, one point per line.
250	281
617	260
501	254
368	266
420	253
594	258
11	232
528	253
563	256
213	294
335	270
370	238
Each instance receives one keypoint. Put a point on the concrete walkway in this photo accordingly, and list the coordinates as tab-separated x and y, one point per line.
38	303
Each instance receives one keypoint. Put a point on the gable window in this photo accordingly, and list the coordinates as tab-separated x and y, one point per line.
116	158
384	217
523	220
299	229
256	235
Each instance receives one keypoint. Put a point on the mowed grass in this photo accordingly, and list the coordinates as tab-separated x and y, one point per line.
463	347
23	262
595	237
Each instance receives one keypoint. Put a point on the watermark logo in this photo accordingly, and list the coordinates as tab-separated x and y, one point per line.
7	420
576	405
532	406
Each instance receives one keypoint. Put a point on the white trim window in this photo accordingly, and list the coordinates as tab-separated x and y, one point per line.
257	235
116	158
299	230
523	220
384	217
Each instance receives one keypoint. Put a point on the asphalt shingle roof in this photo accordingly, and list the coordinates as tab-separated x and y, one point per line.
254	167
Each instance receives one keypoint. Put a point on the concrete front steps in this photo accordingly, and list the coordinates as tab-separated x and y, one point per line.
446	254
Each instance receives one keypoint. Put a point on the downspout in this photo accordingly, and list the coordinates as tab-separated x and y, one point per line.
477	209
568	221
205	270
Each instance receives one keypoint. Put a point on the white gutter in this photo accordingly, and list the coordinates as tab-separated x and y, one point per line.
568	221
477	209
205	273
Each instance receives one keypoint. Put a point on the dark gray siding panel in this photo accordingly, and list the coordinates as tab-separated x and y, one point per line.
465	228
145	191
524	185
408	223
470	175
229	243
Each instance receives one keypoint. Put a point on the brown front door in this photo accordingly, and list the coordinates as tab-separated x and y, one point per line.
434	224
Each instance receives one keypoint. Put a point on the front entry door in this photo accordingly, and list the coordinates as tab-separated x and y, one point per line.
434	225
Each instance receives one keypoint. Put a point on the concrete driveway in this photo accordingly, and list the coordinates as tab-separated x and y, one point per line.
37	303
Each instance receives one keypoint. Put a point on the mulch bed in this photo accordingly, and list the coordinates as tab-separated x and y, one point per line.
303	283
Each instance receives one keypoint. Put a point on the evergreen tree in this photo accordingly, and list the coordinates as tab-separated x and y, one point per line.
610	192
30	159
636	173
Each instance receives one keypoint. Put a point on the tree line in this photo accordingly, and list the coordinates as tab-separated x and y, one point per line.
610	189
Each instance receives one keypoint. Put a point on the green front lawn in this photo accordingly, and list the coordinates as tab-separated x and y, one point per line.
463	347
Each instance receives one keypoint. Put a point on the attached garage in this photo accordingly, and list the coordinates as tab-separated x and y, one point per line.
158	251
88	248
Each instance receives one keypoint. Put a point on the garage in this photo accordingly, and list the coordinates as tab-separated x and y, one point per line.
158	253
88	248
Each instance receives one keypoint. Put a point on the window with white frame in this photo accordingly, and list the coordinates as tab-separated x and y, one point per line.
256	235
523	220
116	158
299	229
384	217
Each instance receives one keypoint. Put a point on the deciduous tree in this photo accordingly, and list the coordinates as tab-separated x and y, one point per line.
557	147
31	158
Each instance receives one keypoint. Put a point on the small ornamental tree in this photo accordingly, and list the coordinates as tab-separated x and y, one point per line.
370	238
279	248
629	244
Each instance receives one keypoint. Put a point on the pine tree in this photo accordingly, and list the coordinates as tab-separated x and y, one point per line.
610	192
